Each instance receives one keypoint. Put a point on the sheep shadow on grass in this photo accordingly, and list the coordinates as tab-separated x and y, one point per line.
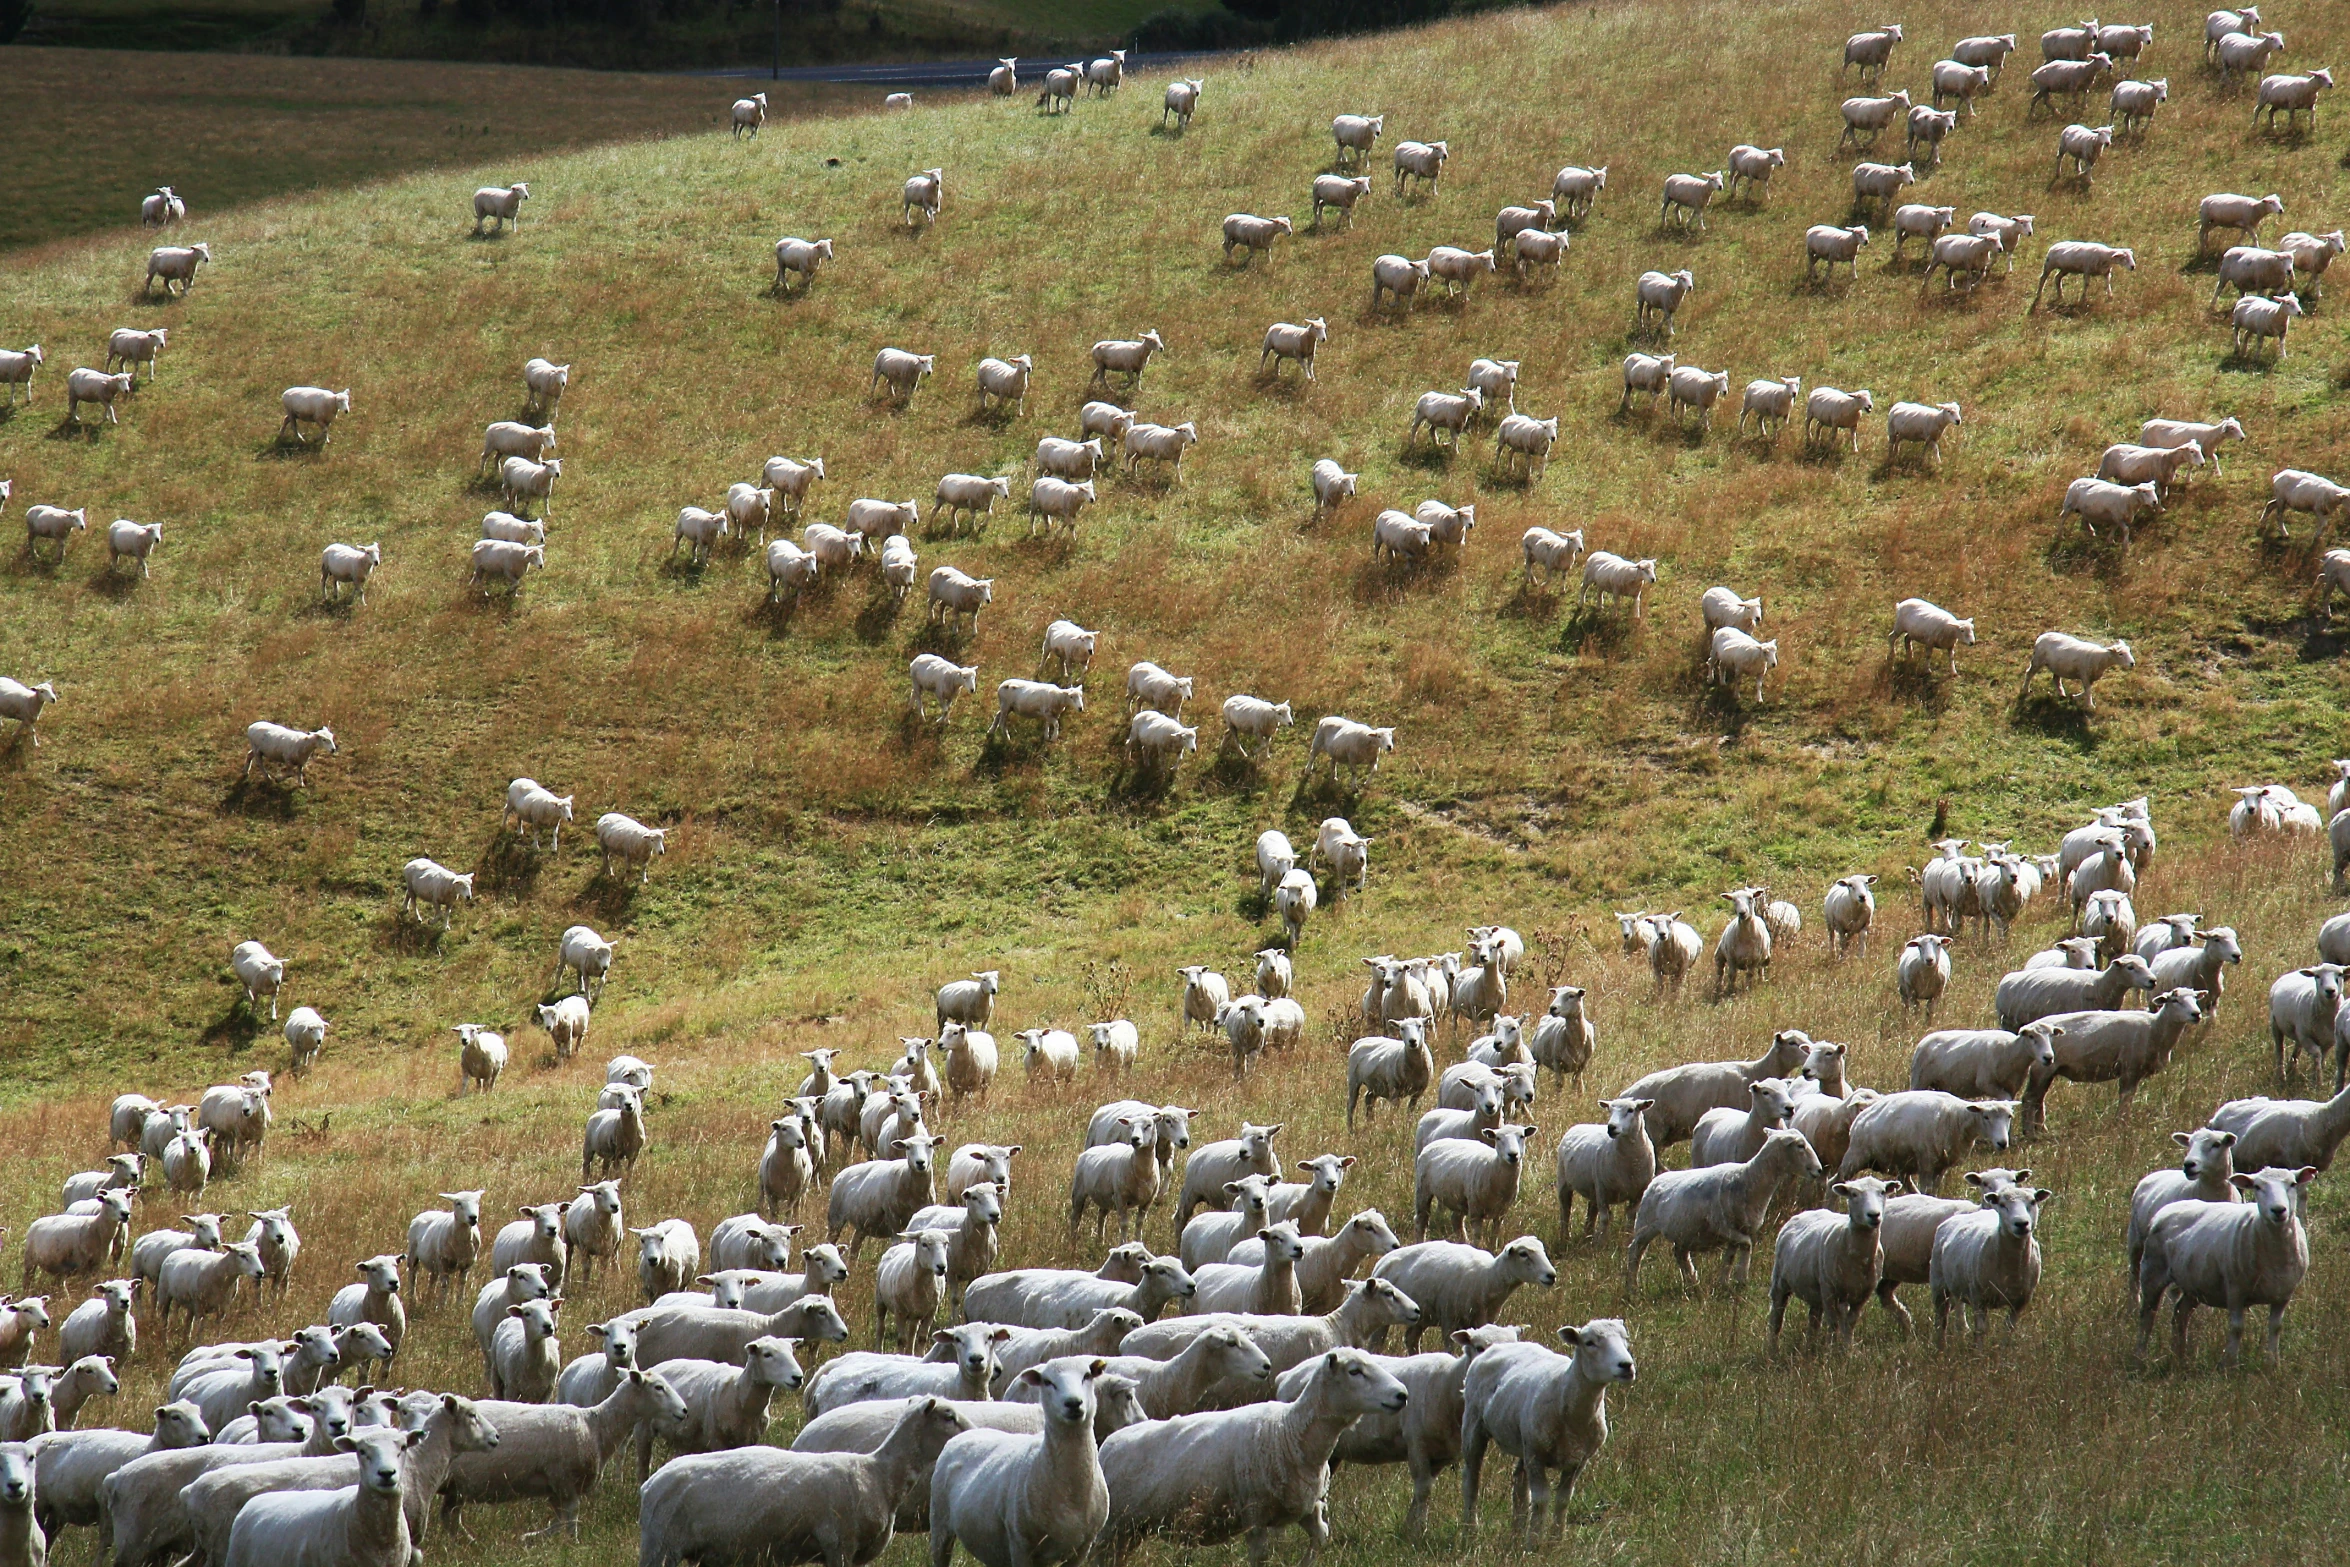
2253	361
877	616
259	799
286	448
109	583
1431	458
506	864
606	900
395	931
1602	632
71	429
2041	710
1291	389
234	1031
1920	682
945	637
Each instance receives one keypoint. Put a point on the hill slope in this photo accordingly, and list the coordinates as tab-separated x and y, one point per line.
830	861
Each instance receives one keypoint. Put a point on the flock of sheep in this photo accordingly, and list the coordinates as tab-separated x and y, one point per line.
1032	1415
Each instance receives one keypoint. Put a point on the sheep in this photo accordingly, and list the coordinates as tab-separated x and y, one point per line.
1926	223
1291	340
2251	270
1682	1094
1921	1133
1546	1409
1611	575
2237	214
2255	318
68	1245
1923	972
1986	1259
1687	386
2227	1255
1399	277
2071	78
1686	196
954	595
1754	165
175	264
1423	161
1657	298
1744	946
2205	1174
918	201
1349	744
2311	254
529	805
1717	1208
1734	655
833	549
1012	1499
1605	1163
1552	552
1990	225
508	438
1960	80
122	1170
70	1466
1832	1262
1159	443
1456	1286
557	1450
1128	357
2287	1133
1871	115
103	1324
942	678
203	1283
2292	490
1731	1136
1340	193
2294	94
1212	1165
443	1247
17	366
1919	623
622	837
1987	1063
53	522
1870	50
96	386
305	405
1252	234
187	1161
1121	1177
879	1195
1182	97
2126	463
2082	145
129	347
748	114
1208	1477
1346	852
1477	1180
2083	259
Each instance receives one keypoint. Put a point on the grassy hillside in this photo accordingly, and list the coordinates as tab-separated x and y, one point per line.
831	861
226	131
608	37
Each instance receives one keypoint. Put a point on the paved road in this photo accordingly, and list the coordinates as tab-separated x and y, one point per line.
927	73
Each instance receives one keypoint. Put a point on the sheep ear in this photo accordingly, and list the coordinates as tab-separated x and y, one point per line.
1028	1378
1347	1163
1570	1334
1894	1188
2182	1138
999	1335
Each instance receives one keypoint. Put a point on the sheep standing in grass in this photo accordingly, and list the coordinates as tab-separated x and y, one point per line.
1830	1261
1657	298
2206	1173
1022	1501
2295	95
1605	1163
1339	193
175	264
1849	908
2083	662
1687	196
2256	319
1457	1286
1987	1259
1288	340
2083	259
502	204
1720	1208
1754	165
1546	1409
161	209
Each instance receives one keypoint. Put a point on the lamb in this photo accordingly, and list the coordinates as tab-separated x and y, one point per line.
2128	464
1687	387
954	595
1870	50
1575	188
1832	1262
1418	160
2083	259
175	264
68	1245
2083	662
1987	1259
53	522
1680	1095
2255	318
1657	298
942	678
2295	95
1754	165
556	1451
1399	277
1546	1409
1609	574
1339	192
613	1136
1921	1133
2251	270
1688	195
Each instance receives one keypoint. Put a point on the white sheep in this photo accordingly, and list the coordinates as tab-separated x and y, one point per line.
1829	409
2127	463
2296	95
1611	575
25	704
1870	50
2077	659
1159	443
1657	298
1878	185
1832	1262
2083	259
1987	1259
127	347
918	201
1955	78
505	561
1128	357
942	678
2072	78
1349	744
2227	1255
1248	717
1420	160
1734	655
1552	552
2134	103
2255	318
748	114
96	386
1547	1410
1920	424
1252	234
2292	490
2312	254
175	264
481	1057
1399	277
954	595
1181	99
1525	442
1686	196
2082	145
1339	192
1297	341
428	884
1754	165
1576	187
1869	116
1035	699
1920	221
162	208
17	366
1011	1500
